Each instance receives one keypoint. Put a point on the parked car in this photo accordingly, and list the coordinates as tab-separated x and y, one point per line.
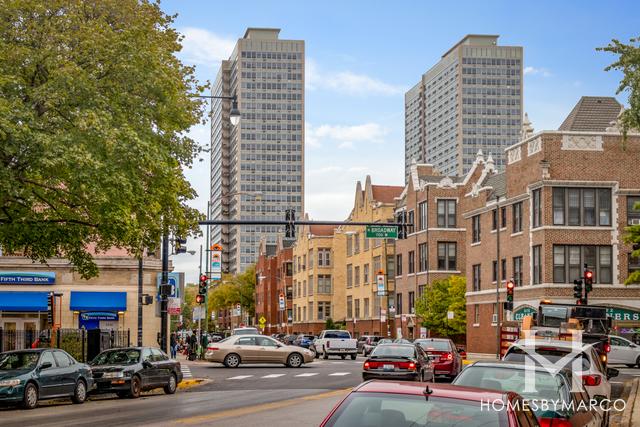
398	362
594	374
337	343
403	404
304	341
370	344
624	351
215	337
131	370
363	340
245	331
288	339
239	349
443	354
551	385
29	376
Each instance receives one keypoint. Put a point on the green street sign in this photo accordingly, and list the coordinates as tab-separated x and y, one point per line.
381	232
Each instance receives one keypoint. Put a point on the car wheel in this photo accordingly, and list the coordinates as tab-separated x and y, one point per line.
638	362
325	356
231	360
135	388
353	356
172	385
80	392
30	399
294	360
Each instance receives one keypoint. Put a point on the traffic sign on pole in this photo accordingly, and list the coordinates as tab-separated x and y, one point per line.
381	232
281	301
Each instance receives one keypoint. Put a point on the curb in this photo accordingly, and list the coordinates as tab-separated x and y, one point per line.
630	394
190	383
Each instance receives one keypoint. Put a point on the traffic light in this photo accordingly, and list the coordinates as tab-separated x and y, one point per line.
403	230
588	280
180	245
577	289
199	299
510	287
202	286
290	228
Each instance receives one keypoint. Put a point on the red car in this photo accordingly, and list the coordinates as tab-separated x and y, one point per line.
404	404
444	356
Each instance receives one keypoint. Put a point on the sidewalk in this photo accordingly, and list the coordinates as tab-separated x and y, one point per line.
631	415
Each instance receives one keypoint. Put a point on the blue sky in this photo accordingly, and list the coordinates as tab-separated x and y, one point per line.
363	55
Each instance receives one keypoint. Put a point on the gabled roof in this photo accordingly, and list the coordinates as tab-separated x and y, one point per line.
386	193
592	114
499	184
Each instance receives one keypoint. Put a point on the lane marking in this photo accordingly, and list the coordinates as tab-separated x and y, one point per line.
308	374
339	374
240	377
273	376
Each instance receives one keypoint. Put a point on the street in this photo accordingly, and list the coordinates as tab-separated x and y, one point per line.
249	395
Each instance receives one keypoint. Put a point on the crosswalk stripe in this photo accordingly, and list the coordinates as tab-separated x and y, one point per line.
308	374
186	372
240	377
339	374
273	376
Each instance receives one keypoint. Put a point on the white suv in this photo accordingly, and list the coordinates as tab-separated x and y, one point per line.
624	351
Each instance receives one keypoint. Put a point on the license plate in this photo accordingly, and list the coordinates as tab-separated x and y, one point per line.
388	367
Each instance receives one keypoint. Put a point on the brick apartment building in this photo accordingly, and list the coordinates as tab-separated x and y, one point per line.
564	200
274	275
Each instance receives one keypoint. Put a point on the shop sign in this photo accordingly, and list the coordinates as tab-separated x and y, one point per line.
623	314
99	315
173	307
27	278
523	311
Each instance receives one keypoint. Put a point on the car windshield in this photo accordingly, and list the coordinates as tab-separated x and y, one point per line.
552	355
387	350
437	345
337	334
386	410
117	357
547	386
307	337
18	360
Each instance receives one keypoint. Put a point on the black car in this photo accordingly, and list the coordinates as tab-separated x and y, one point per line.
27	376
398	362
128	371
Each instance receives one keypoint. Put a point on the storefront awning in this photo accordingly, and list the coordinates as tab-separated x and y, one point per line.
23	301
91	301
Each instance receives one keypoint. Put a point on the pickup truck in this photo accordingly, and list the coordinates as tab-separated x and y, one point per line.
336	343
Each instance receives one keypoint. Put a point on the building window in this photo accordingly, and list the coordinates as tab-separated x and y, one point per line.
324	284
310	258
633	210
357	309
399	264
494	271
304	313
310	311
634	264
422	215
475	226
503	215
517	271
421	289
503	270
304	288
349	276
447	256
349	307
568	262
422	257
476	314
476	278
411	220
536	211
398	303
310	285
517	217
412	261
288	266
412	300
446	213
365	274
365	314
356	274
494	219
324	257
536	252
324	310
391	267
304	262
356	243
582	206
349	245
377	264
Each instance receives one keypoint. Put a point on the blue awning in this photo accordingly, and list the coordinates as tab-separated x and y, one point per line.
23	301
92	301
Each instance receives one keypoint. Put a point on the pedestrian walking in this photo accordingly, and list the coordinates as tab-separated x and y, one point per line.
173	345
204	342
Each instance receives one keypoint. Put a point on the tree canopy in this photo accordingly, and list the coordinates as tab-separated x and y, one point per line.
235	289
94	106
440	297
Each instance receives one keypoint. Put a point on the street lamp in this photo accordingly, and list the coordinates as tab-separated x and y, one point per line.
234	114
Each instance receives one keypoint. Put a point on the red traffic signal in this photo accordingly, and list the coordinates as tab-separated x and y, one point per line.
588	274
199	299
203	278
510	286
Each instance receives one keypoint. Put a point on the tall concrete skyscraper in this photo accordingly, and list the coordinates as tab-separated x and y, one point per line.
470	100
257	166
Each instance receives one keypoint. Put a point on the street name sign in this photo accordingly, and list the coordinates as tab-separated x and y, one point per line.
381	232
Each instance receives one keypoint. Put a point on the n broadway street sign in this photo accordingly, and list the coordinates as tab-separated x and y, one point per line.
382	232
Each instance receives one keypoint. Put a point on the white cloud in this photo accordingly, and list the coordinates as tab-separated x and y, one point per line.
347	82
537	71
203	47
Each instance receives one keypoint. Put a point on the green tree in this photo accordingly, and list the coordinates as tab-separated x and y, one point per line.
94	106
190	291
632	236
235	289
629	63
439	298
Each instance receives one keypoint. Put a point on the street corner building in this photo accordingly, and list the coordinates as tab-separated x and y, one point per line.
38	298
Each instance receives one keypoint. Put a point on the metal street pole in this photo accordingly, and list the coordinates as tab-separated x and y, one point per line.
163	291
498	268
208	254
140	283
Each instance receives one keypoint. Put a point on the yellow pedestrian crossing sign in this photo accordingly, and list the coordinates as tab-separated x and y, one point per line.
262	319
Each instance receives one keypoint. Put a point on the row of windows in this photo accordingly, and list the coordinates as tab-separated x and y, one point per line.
270	167
271	106
274	75
271	157
272	127
490	101
490	121
272	55
492	111
491	91
271	178
270	147
447	258
304	288
490	82
271	86
272	96
273	65
582	206
269	116
491	61
353	308
324	259
491	71
514	132
274	188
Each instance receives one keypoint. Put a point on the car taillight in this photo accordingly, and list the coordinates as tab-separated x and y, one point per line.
449	356
366	366
607	348
213	348
554	422
412	366
591	380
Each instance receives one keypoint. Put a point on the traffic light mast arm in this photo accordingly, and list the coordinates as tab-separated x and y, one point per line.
296	222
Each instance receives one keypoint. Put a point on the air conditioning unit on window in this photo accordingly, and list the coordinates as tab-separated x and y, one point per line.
634	221
494	318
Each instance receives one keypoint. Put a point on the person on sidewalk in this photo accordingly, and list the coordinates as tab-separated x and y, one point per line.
204	342
173	345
